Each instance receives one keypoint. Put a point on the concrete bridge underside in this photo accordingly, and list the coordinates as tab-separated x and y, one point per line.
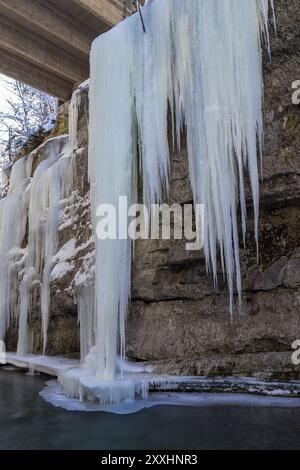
46	43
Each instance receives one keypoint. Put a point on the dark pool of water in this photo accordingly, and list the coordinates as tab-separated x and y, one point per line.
28	422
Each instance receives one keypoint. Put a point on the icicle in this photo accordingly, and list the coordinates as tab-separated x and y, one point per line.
74	114
202	61
86	318
73	118
13	219
223	119
3	180
111	172
50	185
25	338
33	205
152	74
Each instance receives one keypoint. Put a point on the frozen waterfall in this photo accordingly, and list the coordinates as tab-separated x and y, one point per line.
201	61
197	69
13	221
29	236
51	184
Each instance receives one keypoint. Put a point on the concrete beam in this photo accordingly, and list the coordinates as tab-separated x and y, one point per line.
36	16
41	52
105	10
19	69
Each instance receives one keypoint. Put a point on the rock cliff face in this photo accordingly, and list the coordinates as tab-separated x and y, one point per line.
177	320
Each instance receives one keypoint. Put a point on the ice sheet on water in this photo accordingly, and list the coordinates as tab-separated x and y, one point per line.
54	394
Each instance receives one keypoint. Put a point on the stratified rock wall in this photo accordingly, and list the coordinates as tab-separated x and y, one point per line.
177	318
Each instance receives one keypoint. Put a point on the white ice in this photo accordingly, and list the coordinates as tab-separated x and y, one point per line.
201	61
50	185
198	69
54	394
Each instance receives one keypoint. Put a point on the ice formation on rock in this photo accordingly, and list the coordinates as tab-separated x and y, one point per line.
29	217
87	319
202	61
198	63
51	184
13	219
74	105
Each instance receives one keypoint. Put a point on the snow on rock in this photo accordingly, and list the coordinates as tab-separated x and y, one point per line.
63	260
85	275
61	269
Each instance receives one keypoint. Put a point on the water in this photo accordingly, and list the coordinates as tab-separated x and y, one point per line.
29	422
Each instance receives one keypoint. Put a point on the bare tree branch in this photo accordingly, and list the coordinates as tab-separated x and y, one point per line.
26	110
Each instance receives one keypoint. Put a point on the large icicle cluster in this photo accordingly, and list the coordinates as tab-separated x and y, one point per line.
13	220
51	184
29	216
201	60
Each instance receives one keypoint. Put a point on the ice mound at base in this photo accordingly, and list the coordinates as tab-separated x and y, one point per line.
132	382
